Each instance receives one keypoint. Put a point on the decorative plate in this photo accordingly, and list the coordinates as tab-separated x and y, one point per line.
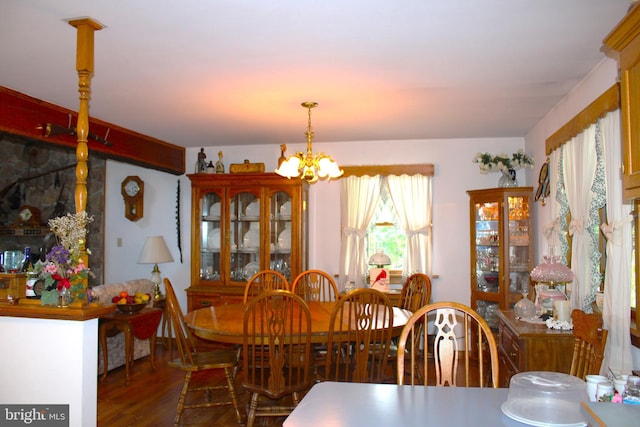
250	269
213	239
284	239
252	239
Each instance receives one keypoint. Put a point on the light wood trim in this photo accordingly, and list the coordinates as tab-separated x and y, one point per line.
84	66
608	101
626	30
373	170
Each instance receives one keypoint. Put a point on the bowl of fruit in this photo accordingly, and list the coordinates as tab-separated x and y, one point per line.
131	303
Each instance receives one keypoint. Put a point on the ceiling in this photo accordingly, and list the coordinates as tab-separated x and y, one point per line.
234	72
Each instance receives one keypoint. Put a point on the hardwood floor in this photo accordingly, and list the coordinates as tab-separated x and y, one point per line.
151	398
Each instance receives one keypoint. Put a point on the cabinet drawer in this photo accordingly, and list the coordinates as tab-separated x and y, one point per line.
510	345
201	300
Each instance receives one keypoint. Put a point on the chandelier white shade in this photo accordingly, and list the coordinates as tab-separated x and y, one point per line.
308	166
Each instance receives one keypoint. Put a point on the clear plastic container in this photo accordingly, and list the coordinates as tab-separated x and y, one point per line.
542	398
631	393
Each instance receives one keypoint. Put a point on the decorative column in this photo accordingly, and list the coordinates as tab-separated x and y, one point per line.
84	66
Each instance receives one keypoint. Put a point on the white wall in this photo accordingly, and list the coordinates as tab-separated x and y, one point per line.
601	78
121	262
454	175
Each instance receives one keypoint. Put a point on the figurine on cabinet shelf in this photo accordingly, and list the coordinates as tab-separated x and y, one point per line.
283	148
201	163
219	164
211	168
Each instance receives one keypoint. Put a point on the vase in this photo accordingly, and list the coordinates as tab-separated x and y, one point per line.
508	179
63	297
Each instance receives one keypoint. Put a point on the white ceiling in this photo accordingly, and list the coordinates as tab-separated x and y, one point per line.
234	72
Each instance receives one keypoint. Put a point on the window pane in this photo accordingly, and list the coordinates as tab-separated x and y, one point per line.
385	232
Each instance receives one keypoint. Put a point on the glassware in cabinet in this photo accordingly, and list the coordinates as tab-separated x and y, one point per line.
501	248
262	223
210	236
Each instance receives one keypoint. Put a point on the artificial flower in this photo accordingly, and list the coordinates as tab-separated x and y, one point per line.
502	162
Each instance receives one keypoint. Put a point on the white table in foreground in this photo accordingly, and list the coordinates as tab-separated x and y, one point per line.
331	404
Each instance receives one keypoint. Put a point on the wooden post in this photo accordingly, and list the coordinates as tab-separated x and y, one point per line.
84	66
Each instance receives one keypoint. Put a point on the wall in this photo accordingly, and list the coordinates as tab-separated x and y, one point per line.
454	175
601	78
52	193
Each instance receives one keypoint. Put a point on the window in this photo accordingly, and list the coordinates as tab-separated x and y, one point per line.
394	200
384	232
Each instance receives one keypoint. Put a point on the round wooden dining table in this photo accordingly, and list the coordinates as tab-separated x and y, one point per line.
224	323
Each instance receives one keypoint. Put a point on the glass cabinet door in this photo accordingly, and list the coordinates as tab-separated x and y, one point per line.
487	256
518	249
210	237
244	236
501	249
280	233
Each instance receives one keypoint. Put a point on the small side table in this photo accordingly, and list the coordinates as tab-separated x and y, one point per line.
142	325
166	324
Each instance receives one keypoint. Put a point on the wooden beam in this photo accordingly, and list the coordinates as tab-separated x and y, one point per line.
21	115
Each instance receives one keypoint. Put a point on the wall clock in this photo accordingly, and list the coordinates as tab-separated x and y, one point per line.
133	194
28	216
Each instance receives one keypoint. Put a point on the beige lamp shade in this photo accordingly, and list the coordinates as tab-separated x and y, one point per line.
155	251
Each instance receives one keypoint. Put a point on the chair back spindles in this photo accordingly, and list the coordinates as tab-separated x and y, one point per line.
449	343
184	340
360	332
416	292
315	285
265	280
276	351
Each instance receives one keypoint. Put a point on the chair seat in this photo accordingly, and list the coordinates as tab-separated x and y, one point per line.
215	359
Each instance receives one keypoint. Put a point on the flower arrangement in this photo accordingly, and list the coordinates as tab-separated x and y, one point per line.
64	268
502	162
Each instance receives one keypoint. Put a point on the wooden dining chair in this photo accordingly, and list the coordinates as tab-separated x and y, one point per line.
589	344
460	350
416	292
315	285
276	352
192	361
265	280
360	330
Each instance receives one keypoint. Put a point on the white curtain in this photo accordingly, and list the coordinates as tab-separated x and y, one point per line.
617	230
579	172
358	199
411	196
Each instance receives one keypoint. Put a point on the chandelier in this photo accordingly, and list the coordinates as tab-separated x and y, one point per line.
308	166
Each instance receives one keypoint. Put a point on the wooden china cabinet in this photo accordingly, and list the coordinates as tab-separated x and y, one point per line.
241	224
501	240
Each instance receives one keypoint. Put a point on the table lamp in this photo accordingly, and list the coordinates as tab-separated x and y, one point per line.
547	275
379	273
155	251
